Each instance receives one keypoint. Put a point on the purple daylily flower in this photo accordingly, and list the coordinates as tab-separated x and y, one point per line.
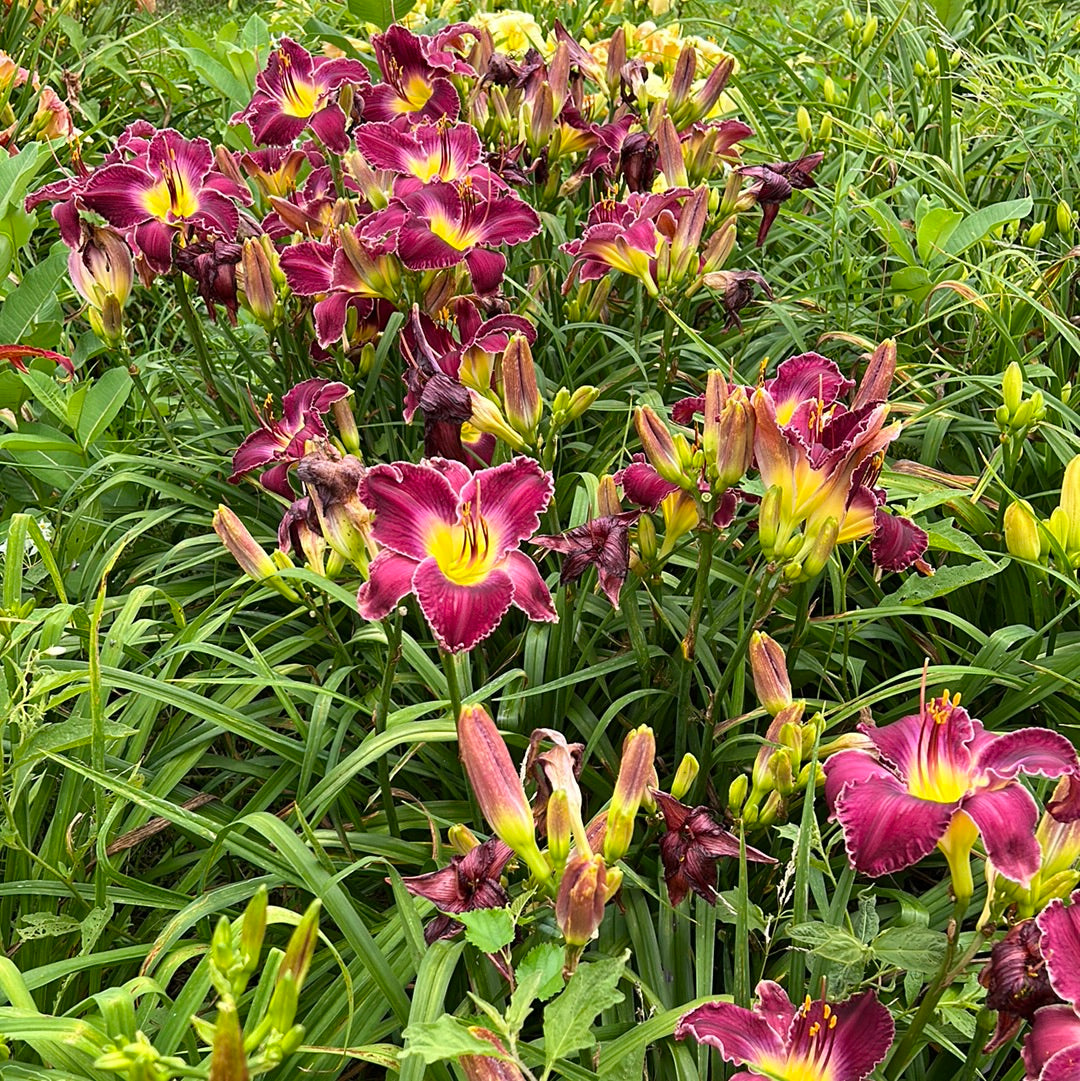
173	189
212	265
452	538
282	441
938	778
1016	981
415	86
841	1042
297	92
442	225
691	847
470	882
601	542
1052	1047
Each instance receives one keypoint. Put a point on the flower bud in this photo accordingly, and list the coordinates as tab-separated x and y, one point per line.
825	128
283	1002
228	1062
849	20
253	560
498	788
614	881
559	828
488	1067
685	776
521	397
487	417
607	497
802	122
769	519
1033	235
782	770
769	667
345	422
635	772
1064	217
1070	505
646	538
252	931
257	282
870	31
301	949
462	839
824	542
658	445
1022	536
737	793
581	400
828	90
579	904
102	272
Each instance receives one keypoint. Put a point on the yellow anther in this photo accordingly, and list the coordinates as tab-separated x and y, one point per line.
832	1022
826	1011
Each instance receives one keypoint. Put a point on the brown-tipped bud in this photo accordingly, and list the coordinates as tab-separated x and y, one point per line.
635	772
685	776
259	291
877	379
559	828
498	787
616	60
462	839
301	948
607	497
716	394
672	164
1023	536
579	904
687	238
254	561
735	429
225	162
658	445
102	272
769	666
682	80
228	1062
521	396
332	484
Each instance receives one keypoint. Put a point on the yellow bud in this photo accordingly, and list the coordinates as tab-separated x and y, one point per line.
802	122
1022	531
869	31
825	128
849	20
685	776
737	792
1064	216
828	90
1033	235
1012	387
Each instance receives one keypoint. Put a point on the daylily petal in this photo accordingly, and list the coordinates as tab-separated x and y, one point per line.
461	616
642	485
775	1007
897	541
849	768
1034	751
1055	1031
741	1036
408	500
486	269
1060	946
857	1040
885	828
390	579
531	593
511	497
155	240
328	125
806	377
936	747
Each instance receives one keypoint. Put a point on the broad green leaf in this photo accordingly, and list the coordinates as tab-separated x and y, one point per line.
47	392
16	173
895	235
380	12
538	976
444	1038
916	949
30	297
977	226
488	929
830	943
914	280
944	581
103	401
568	1019
934	231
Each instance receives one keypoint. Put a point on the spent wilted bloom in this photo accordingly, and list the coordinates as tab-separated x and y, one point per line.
841	1041
1016	981
452	538
600	542
938	778
298	92
470	882
773	184
18	355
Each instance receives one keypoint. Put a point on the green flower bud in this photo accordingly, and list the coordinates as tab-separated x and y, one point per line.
1012	387
684	776
1022	535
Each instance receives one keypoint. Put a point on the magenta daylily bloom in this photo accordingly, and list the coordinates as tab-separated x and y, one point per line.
442	225
819	1040
415	86
426	154
282	441
297	92
825	456
938	778
452	538
172	189
775	183
1052	1048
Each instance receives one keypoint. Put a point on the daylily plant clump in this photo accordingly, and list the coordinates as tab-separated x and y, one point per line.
437	222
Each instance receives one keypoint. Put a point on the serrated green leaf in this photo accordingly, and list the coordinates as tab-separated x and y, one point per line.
944	581
538	976
444	1038
830	943
488	929
568	1019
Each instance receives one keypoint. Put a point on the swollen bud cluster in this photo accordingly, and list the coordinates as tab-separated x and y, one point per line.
1017	415
1028	537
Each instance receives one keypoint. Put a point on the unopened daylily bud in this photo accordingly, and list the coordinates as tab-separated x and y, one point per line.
737	793
345	422
521	396
1022	535
581	400
462	839
301	949
824	542
646	538
769	519
498	787
579	904
252	930
877	379
614	881
771	809
607	497
102	272
487	417
635	772
254	561
769	667
848	20
559	828
1033	235
870	28
283	1002
825	128
828	90
259	291
782	770
228	1062
685	776
658	445
1070	504
1064	217
802	122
